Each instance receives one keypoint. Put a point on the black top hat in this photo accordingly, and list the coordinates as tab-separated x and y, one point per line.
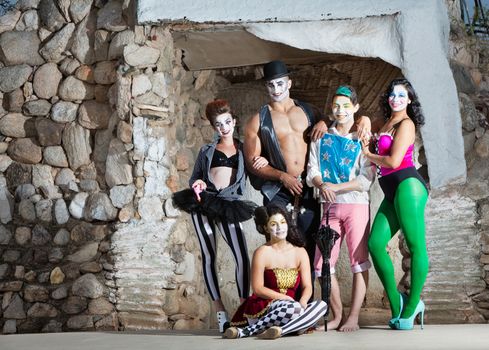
275	69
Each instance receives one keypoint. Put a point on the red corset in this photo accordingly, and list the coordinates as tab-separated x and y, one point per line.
285	281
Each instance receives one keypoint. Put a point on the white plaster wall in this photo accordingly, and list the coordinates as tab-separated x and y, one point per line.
412	35
271	10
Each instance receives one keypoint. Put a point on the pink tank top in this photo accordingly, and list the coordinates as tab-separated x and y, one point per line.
384	144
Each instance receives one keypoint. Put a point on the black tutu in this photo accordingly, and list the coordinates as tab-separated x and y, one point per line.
214	207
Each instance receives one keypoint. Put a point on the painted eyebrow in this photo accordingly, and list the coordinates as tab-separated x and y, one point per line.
278	82
402	93
275	221
226	121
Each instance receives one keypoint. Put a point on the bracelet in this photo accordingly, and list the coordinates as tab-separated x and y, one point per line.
324	185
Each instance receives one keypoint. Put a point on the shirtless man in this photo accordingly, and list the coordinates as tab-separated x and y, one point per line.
280	134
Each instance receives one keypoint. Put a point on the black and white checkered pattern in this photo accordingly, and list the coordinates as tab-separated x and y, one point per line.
289	315
280	312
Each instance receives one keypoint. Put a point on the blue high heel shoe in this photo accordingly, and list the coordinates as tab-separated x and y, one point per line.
408	323
402	300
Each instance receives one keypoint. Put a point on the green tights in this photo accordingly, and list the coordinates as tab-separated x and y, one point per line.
407	214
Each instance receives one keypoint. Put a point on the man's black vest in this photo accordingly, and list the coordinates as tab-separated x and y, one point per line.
270	149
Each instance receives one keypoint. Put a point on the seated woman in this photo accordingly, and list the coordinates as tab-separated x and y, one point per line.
278	268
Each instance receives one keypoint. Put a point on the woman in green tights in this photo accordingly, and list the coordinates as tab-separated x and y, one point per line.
405	199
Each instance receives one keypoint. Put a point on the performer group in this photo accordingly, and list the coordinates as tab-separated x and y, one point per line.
312	171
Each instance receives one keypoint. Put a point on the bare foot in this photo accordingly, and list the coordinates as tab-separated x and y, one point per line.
351	325
333	324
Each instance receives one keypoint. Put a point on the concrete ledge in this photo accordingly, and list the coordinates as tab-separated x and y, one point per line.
446	337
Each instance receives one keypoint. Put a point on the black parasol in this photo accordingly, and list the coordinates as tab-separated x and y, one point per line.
325	239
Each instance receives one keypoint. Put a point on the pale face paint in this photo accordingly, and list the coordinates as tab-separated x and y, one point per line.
278	89
224	125
277	227
399	98
343	109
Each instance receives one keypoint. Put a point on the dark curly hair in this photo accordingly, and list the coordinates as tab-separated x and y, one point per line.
413	109
262	214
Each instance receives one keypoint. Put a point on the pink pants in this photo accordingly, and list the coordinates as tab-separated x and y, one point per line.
351	221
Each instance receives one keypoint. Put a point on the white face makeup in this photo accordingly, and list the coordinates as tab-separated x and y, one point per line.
277	226
224	125
398	98
343	109
278	89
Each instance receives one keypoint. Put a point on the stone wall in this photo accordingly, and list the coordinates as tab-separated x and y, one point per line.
154	248
100	123
64	169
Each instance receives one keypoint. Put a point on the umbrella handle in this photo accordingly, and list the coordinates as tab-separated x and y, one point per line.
295	209
325	218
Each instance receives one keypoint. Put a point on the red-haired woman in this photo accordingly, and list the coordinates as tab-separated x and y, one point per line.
217	185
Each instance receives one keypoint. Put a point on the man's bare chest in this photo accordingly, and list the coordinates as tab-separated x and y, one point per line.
285	124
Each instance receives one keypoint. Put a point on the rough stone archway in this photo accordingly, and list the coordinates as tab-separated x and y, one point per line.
101	119
398	33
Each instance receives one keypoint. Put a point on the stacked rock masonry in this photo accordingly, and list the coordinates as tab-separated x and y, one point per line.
100	123
89	155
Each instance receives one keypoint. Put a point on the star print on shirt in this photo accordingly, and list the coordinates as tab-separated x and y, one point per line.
327	141
337	157
351	147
